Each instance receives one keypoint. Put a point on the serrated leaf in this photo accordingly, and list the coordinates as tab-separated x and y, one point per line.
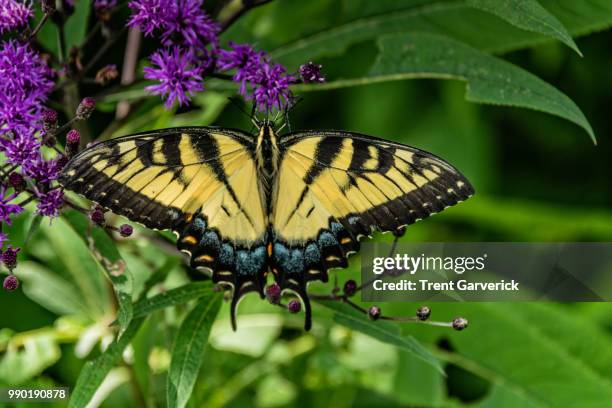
188	349
384	331
172	297
94	372
113	264
490	80
528	15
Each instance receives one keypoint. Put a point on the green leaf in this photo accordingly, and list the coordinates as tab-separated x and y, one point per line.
534	352
93	372
76	25
111	260
37	351
384	331
51	290
528	15
188	349
490	80
172	297
453	19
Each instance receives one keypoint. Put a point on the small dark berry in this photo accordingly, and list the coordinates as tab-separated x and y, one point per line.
126	230
85	108
273	293
374	312
10	283
400	231
9	257
311	73
16	181
294	306
350	287
423	313
107	74
97	216
460	323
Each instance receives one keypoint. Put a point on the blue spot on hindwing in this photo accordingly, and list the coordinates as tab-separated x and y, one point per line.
250	262
226	255
326	239
312	256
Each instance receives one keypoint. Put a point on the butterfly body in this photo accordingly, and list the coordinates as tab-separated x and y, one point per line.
244	206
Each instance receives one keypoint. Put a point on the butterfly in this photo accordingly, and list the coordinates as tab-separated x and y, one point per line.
246	205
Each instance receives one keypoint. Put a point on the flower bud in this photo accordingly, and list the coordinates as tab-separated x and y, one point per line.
73	138
9	257
460	323
85	108
423	313
107	74
311	73
48	6
273	293
350	287
49	117
97	216
125	230
16	181
10	283
294	306
374	312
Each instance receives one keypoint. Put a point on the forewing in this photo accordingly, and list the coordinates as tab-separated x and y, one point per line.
199	182
335	187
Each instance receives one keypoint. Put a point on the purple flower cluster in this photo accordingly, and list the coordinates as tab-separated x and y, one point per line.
193	51
178	22
25	84
14	14
177	75
259	78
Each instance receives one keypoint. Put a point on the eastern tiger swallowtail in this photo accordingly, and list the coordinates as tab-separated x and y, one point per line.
247	205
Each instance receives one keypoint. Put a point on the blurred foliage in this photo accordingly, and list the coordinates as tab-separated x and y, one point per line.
139	340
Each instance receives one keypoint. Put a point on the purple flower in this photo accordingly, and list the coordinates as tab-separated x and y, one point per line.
244	59
178	77
149	15
20	148
269	82
188	24
14	14
271	85
50	203
25	82
9	258
180	22
41	170
10	283
6	209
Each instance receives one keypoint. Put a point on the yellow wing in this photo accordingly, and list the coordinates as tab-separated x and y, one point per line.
335	187
200	182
